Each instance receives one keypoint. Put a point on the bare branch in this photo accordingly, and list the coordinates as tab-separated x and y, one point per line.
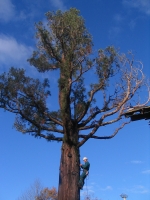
81	71
51	129
87	127
92	93
92	116
50	49
98	111
90	135
56	121
49	137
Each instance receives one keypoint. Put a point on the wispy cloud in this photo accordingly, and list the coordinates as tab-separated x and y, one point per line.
132	24
91	192
146	172
58	4
107	188
93	188
139	189
141	5
7	10
136	162
118	18
114	32
116	29
12	52
89	189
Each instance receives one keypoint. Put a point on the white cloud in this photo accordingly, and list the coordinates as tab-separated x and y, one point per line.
94	189
89	189
7	10
58	4
106	188
93	183
136	162
12	52
142	5
146	172
139	189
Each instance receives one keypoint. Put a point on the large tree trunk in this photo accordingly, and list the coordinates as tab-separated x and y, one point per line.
69	173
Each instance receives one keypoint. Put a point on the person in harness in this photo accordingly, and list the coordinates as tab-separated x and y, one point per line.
85	172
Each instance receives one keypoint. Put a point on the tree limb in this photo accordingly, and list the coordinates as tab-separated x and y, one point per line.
53	119
49	137
90	135
92	93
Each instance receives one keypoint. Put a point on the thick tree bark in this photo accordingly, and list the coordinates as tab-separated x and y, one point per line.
69	173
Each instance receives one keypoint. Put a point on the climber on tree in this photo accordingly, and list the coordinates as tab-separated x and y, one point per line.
85	172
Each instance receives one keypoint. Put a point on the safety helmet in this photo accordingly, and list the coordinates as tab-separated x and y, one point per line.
85	158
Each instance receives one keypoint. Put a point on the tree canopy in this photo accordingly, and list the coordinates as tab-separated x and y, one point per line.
92	87
94	90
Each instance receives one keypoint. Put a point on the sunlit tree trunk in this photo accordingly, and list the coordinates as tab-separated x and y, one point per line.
69	163
69	173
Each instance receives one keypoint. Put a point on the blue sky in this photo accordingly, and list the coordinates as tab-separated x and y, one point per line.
120	165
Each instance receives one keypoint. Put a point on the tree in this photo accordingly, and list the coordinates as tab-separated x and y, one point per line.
37	192
32	192
65	45
48	194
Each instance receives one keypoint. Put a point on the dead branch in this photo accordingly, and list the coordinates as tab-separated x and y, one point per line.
101	137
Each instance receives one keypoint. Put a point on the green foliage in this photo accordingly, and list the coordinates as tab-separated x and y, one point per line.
65	36
24	96
108	64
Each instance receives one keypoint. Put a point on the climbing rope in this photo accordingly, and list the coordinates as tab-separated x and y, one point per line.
87	191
